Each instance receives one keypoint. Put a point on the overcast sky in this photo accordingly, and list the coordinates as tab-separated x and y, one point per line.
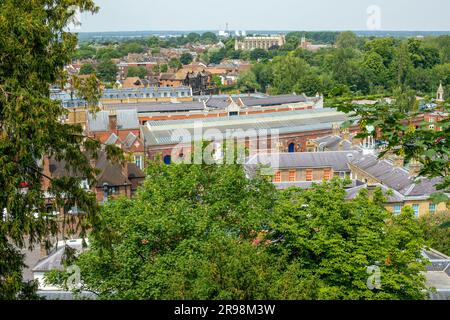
140	15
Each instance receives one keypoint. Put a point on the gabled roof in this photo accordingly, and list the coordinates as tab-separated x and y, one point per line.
109	172
54	260
333	143
391	195
395	178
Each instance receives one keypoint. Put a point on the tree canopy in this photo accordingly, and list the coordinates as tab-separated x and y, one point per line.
30	129
209	232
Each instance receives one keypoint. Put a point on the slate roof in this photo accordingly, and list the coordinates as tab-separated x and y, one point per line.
392	196
384	171
144	107
307	184
273	100
65	295
395	178
54	260
438	274
218	103
335	159
111	173
333	143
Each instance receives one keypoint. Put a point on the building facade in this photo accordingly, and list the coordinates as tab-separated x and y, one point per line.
260	42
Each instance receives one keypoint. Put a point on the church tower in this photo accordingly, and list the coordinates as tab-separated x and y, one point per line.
440	93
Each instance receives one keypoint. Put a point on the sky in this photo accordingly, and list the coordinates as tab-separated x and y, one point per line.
184	15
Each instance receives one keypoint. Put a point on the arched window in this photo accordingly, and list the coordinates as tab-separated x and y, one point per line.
291	148
167	159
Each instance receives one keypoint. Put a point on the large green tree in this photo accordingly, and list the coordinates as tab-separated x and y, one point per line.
35	47
209	232
107	71
338	242
140	72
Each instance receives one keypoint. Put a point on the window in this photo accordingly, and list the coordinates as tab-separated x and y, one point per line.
416	210
342	174
292	175
233	113
432	207
277	176
167	159
309	175
327	174
84	184
397	208
138	161
291	148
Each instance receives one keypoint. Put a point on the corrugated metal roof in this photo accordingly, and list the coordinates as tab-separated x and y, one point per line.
98	121
168	132
127	119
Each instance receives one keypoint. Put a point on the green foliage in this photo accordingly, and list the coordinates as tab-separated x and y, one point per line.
209	38
11	284
140	72
394	123
247	82
258	54
436	228
174	63
346	40
186	58
30	129
87	69
107	71
333	241
209	232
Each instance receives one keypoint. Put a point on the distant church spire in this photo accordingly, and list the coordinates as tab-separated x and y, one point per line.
440	93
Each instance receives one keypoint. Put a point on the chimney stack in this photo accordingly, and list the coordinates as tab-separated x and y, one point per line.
398	161
414	168
113	121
